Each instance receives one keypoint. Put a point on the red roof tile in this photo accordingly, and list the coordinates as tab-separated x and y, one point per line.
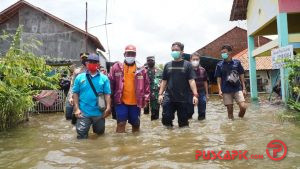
262	63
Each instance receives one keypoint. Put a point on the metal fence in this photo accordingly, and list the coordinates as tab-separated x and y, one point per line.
58	106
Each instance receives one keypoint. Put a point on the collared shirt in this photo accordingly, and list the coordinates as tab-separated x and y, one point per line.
129	96
223	69
87	98
201	77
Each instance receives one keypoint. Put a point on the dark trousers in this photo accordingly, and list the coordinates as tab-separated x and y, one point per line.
168	115
69	113
201	106
154	106
83	126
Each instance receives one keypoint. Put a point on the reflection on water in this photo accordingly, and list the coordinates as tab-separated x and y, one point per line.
48	141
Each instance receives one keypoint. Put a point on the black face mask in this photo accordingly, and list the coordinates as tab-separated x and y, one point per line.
151	64
83	62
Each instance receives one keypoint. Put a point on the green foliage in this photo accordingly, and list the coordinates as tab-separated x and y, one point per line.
22	74
294	81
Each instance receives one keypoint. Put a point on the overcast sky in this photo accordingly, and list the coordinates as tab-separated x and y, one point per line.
151	25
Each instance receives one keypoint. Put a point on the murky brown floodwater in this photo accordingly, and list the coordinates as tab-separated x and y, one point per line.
48	141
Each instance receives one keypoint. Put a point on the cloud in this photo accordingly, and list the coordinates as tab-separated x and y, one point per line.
151	25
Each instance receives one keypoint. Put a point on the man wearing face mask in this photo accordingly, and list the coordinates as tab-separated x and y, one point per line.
87	86
69	102
231	82
130	90
154	87
177	79
202	87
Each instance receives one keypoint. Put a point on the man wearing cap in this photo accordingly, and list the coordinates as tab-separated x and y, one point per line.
69	101
86	108
154	87
130	90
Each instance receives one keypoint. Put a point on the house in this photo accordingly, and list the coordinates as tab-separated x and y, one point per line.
237	38
60	39
268	17
266	76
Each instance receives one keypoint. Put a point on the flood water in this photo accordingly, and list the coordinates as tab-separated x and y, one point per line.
49	141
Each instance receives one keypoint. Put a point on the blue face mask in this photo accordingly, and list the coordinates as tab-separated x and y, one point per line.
175	54
224	55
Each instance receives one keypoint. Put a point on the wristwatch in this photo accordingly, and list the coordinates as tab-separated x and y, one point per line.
196	95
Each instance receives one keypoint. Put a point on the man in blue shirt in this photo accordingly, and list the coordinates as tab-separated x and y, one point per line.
85	100
231	82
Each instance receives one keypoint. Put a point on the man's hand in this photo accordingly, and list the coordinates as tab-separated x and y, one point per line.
245	92
78	113
207	97
107	113
160	99
220	94
71	101
195	100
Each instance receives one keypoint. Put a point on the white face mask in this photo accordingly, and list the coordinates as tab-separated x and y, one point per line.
195	63
129	60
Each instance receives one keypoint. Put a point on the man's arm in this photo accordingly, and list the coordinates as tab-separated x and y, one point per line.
206	88
77	111
219	86
242	78
108	106
161	90
194	90
193	86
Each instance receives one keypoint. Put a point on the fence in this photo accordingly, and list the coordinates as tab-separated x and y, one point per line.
58	106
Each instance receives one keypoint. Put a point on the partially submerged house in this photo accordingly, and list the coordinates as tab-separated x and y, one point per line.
60	39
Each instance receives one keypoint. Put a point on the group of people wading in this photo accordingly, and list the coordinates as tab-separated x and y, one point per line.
127	89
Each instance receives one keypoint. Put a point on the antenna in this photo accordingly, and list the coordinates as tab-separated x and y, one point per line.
86	28
105	23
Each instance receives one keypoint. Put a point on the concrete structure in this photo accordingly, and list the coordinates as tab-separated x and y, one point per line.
60	40
269	17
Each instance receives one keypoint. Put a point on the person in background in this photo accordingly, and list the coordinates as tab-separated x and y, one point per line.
85	100
202	87
69	101
154	88
130	90
177	79
231	82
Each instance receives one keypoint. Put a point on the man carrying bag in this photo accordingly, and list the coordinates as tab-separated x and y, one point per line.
91	94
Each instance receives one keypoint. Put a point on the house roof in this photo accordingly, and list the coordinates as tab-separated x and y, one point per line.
9	12
262	63
236	37
239	10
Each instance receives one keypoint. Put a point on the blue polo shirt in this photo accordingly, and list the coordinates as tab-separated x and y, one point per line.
223	69
87	99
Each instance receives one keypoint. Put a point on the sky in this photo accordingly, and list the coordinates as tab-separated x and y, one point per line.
151	25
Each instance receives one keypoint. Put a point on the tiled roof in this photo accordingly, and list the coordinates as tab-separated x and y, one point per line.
262	63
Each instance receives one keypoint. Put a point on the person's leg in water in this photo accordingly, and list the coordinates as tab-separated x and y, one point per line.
190	107
147	109
122	117
201	105
154	109
228	102
182	110
168	113
230	111
134	113
239	98
82	127
98	125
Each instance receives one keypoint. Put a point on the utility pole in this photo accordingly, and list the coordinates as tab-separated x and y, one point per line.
86	28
